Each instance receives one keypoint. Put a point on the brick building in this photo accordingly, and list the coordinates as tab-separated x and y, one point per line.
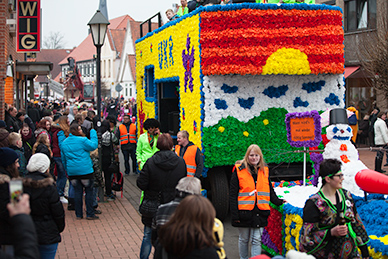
362	20
16	74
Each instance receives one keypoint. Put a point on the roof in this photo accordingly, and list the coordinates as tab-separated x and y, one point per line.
84	51
120	22
116	39
132	65
54	56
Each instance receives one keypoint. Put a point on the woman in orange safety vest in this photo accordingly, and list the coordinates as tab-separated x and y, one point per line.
250	193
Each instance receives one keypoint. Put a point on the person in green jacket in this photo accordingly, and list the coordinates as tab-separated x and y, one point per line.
183	9
146	144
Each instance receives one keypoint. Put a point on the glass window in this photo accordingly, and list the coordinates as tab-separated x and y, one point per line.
360	14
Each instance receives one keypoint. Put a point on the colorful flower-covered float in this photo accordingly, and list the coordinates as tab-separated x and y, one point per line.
229	74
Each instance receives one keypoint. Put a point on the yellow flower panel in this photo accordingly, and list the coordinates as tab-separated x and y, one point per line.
175	55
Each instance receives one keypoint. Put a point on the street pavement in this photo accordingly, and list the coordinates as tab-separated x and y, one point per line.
119	231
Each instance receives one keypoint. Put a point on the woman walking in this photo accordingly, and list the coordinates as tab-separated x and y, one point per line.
79	166
250	193
46	209
158	178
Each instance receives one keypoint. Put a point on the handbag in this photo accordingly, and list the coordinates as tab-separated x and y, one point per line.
148	208
114	167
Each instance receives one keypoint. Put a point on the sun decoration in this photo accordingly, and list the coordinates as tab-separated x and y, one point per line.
287	61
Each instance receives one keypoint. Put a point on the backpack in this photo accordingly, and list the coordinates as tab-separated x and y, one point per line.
118	182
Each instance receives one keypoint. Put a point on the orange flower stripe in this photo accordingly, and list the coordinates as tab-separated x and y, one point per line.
257	12
248	51
327	68
320	30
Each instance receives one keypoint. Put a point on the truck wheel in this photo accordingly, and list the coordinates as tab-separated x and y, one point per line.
219	192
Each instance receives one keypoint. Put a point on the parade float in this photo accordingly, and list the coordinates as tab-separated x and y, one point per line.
229	75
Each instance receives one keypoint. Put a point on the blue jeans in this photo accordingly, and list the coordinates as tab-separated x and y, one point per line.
71	191
61	178
146	245
95	194
79	186
245	234
130	152
48	251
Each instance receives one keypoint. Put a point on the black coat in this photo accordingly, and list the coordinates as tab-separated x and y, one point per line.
46	209
12	125
161	173
5	225
208	253
249	218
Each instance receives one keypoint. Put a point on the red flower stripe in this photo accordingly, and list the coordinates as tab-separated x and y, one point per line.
225	42
215	69
245	68
267	21
322	30
267	51
262	60
258	12
327	68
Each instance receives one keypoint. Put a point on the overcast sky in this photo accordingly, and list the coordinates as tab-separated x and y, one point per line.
71	17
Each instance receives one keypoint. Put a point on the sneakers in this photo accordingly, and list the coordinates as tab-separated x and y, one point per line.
111	197
92	218
63	199
97	212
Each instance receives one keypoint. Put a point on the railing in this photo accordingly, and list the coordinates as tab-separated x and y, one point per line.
150	23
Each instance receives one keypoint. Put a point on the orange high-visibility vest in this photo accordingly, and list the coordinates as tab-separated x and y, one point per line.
249	193
126	137
189	158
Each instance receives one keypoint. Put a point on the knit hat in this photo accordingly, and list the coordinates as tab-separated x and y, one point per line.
3	124
8	156
39	162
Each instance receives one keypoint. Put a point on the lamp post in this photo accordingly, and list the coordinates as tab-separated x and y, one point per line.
98	26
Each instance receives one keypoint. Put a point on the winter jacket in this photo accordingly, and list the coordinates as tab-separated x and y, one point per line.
42	148
23	230
28	144
249	218
12	125
46	209
22	159
5	225
75	153
98	180
161	173
144	150
381	132
54	141
4	137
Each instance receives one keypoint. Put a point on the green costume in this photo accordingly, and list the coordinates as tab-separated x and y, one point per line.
144	149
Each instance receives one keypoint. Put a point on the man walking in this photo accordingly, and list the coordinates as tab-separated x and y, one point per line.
146	144
127	136
190	153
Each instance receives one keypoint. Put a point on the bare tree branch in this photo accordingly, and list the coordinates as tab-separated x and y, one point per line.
55	40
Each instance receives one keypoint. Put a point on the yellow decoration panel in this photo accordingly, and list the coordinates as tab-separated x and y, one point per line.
174	54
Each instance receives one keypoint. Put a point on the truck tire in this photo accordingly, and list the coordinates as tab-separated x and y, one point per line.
219	192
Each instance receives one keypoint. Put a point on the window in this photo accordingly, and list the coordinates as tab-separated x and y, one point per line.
150	82
360	14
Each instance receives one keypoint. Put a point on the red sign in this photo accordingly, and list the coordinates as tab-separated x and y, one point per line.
28	26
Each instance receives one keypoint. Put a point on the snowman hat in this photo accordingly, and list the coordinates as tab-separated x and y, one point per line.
338	116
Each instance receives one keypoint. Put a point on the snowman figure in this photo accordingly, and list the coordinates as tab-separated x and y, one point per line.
339	134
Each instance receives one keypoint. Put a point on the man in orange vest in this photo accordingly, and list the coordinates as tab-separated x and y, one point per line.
127	136
190	153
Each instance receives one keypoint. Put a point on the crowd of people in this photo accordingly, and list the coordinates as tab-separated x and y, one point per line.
56	156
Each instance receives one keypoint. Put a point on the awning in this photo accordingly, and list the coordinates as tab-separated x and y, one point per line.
34	68
350	70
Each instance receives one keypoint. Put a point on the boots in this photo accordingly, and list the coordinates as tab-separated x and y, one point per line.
379	161
70	205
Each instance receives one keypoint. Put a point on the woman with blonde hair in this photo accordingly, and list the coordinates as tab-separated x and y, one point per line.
250	193
42	145
189	232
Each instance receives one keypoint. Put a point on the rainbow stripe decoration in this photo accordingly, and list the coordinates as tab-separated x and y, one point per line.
277	40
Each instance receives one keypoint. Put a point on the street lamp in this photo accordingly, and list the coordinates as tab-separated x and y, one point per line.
98	26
